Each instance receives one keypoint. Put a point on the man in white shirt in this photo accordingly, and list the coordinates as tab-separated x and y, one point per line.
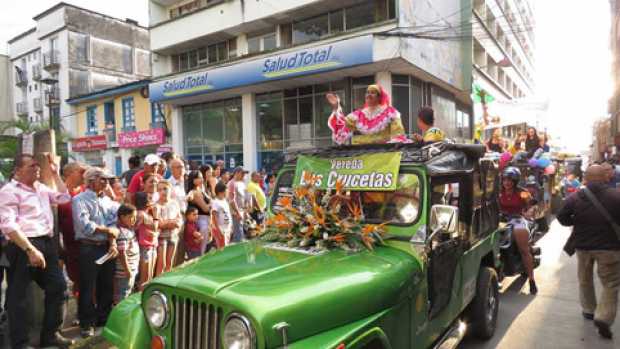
237	198
177	168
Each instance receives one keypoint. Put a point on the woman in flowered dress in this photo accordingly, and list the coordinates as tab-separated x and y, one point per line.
376	122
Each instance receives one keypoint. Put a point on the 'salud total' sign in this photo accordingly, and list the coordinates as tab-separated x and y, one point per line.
321	58
372	172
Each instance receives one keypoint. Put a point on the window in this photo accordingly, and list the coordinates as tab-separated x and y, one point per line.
129	120
366	13
310	29
91	120
205	55
108	112
262	43
184	9
157	115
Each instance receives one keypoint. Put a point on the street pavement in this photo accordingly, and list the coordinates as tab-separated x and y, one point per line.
551	319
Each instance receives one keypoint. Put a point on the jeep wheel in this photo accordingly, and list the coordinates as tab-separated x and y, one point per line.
484	307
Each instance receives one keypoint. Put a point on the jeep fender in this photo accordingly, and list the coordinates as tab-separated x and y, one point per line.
126	327
375	334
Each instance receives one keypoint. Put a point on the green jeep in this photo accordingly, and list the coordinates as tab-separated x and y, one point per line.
433	276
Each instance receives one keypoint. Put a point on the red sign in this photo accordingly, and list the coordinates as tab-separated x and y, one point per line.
89	143
138	139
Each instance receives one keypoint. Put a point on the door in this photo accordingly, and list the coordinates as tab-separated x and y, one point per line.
446	251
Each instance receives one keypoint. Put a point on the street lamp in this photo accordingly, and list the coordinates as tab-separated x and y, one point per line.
50	82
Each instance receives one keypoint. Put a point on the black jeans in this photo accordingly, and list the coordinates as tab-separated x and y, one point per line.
50	279
95	280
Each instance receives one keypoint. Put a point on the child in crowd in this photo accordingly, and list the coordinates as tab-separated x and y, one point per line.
128	253
191	235
221	227
170	221
147	228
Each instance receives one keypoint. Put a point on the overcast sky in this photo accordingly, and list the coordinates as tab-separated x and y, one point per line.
18	18
573	66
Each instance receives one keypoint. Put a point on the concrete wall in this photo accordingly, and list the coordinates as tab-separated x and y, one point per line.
6	105
449	60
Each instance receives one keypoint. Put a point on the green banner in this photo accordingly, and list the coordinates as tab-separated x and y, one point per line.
372	172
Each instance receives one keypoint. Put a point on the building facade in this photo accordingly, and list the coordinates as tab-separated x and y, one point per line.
245	81
503	49
73	51
6	107
116	123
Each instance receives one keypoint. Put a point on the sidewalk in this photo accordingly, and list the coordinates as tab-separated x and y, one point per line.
551	319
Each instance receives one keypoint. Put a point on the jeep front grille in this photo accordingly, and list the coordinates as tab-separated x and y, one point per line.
196	324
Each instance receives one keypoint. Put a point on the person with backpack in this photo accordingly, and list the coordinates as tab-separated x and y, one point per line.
593	213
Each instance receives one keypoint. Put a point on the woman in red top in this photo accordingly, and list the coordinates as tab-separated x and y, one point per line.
513	202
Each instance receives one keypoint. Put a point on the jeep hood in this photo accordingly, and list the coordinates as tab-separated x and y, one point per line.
312	293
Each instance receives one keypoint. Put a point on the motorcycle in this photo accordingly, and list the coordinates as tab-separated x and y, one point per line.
512	263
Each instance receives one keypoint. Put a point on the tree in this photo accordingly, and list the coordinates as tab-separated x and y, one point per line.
8	143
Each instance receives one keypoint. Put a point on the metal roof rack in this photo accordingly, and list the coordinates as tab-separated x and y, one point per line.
412	152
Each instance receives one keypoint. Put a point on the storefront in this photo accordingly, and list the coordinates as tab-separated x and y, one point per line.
91	148
252	112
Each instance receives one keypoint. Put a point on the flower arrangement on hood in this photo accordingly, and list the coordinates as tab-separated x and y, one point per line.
318	222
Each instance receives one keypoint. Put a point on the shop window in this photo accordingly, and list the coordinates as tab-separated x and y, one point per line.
336	22
91	120
129	119
269	110
286	35
184	9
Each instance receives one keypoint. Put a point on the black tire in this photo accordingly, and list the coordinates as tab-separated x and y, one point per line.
483	309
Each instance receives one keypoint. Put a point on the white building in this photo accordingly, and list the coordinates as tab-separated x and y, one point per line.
244	81
503	50
6	107
73	51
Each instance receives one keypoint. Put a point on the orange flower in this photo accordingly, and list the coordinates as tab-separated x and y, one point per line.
309	178
301	192
368	229
285	201
356	211
339	238
339	186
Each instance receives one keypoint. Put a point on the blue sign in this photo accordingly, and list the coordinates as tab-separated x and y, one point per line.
337	55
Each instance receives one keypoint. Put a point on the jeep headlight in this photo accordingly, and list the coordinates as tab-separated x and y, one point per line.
156	310
238	333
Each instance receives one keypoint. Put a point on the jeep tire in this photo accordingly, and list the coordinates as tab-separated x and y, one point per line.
483	309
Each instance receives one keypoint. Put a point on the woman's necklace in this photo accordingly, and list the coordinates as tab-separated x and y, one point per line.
374	111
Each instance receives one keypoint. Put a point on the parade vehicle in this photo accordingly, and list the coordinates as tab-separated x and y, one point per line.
429	279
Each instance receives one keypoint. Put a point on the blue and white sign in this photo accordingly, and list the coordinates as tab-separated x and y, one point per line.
337	55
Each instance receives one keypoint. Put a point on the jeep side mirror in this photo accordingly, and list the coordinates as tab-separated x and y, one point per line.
444	219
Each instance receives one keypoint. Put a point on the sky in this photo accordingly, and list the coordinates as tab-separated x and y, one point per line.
573	67
19	18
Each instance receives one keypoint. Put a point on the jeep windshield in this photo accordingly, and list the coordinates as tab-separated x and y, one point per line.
399	207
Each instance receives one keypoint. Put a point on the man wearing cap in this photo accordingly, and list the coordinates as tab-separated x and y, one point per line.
26	219
237	197
94	217
596	242
151	165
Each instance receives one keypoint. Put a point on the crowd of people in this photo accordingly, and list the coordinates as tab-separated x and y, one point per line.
530	142
116	233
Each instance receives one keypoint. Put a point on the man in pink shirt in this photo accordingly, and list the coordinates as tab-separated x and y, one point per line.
151	165
27	221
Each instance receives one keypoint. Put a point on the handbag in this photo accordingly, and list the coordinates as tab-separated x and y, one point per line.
603	211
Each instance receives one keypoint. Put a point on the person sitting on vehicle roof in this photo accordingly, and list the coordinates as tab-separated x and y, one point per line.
513	202
376	122
426	124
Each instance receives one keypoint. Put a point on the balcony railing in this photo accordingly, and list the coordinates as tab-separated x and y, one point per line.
22	108
21	78
51	60
52	96
38	106
36	72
